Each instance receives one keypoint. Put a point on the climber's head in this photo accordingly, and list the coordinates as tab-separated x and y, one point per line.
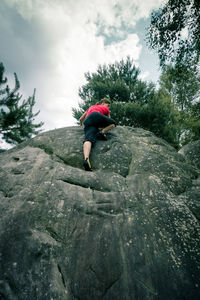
105	102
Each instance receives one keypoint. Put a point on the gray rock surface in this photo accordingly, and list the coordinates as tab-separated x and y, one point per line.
128	230
191	152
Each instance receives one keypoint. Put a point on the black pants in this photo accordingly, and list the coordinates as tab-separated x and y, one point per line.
92	123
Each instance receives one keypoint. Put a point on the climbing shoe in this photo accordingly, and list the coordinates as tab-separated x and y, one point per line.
87	165
102	136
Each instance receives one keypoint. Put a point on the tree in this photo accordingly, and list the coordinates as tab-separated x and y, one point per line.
175	32
193	122
157	115
184	93
182	85
118	81
134	102
114	80
190	124
16	116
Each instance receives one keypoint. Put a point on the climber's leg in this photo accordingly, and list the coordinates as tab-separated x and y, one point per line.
106	129
87	146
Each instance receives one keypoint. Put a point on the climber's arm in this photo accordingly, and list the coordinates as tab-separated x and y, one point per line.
82	118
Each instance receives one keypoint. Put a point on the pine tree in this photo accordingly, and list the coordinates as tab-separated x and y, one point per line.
133	102
16	115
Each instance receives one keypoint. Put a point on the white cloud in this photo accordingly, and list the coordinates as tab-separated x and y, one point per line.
128	47
66	34
143	75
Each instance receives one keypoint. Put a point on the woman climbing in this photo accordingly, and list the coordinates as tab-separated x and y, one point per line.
96	116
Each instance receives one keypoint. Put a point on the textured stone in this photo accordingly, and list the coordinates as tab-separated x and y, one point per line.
128	230
192	152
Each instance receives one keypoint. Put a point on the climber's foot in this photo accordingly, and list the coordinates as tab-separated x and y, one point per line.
102	136
87	165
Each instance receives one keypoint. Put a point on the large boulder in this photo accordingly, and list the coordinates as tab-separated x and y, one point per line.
191	152
191	196
125	231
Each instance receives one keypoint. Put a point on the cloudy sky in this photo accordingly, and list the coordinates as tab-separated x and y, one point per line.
50	44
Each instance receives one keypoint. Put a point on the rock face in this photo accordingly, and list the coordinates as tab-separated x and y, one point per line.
192	152
128	230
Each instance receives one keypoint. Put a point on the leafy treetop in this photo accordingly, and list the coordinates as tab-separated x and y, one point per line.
175	32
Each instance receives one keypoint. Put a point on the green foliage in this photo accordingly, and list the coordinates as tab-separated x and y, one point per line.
16	116
190	124
181	84
183	88
174	32
157	115
116	81
134	102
